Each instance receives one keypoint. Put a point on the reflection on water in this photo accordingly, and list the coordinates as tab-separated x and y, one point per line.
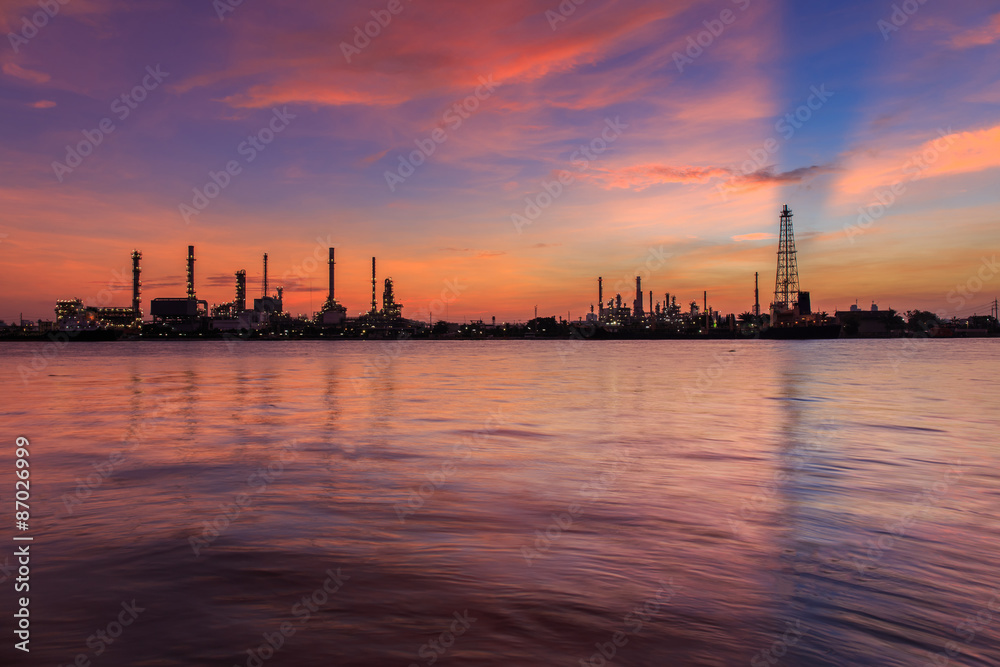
632	503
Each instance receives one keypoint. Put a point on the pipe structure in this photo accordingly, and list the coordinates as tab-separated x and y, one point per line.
241	291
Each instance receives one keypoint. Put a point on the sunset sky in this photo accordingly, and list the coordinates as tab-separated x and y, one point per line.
701	159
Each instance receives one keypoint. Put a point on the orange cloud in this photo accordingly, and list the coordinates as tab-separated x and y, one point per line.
43	104
639	178
758	236
947	154
978	36
15	70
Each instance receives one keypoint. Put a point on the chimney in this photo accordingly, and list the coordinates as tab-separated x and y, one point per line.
331	276
374	304
756	294
191	294
600	298
136	286
637	306
264	284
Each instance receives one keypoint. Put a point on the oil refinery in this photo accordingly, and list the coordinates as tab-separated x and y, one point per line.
633	315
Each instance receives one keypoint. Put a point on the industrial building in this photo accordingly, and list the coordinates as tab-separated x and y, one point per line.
332	313
75	315
181	313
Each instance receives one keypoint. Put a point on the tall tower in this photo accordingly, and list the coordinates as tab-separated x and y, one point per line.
756	294
264	284
330	299
390	308
241	291
374	303
637	304
786	283
600	299
190	275
136	287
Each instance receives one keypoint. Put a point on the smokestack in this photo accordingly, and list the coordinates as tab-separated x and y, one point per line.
191	294
637	306
136	286
374	304
264	284
331	276
756	294
706	309
241	291
650	302
600	298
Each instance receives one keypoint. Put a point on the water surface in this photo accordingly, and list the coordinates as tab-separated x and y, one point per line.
714	503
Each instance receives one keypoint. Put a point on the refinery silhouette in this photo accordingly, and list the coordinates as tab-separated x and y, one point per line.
789	316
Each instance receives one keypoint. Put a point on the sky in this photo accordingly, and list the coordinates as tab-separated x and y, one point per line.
500	156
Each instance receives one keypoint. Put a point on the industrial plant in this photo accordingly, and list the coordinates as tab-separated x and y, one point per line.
186	315
634	315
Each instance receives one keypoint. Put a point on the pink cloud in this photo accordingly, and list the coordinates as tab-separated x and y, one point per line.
757	236
15	70
640	177
947	154
978	36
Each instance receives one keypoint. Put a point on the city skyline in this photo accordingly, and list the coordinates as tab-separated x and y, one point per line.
429	153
